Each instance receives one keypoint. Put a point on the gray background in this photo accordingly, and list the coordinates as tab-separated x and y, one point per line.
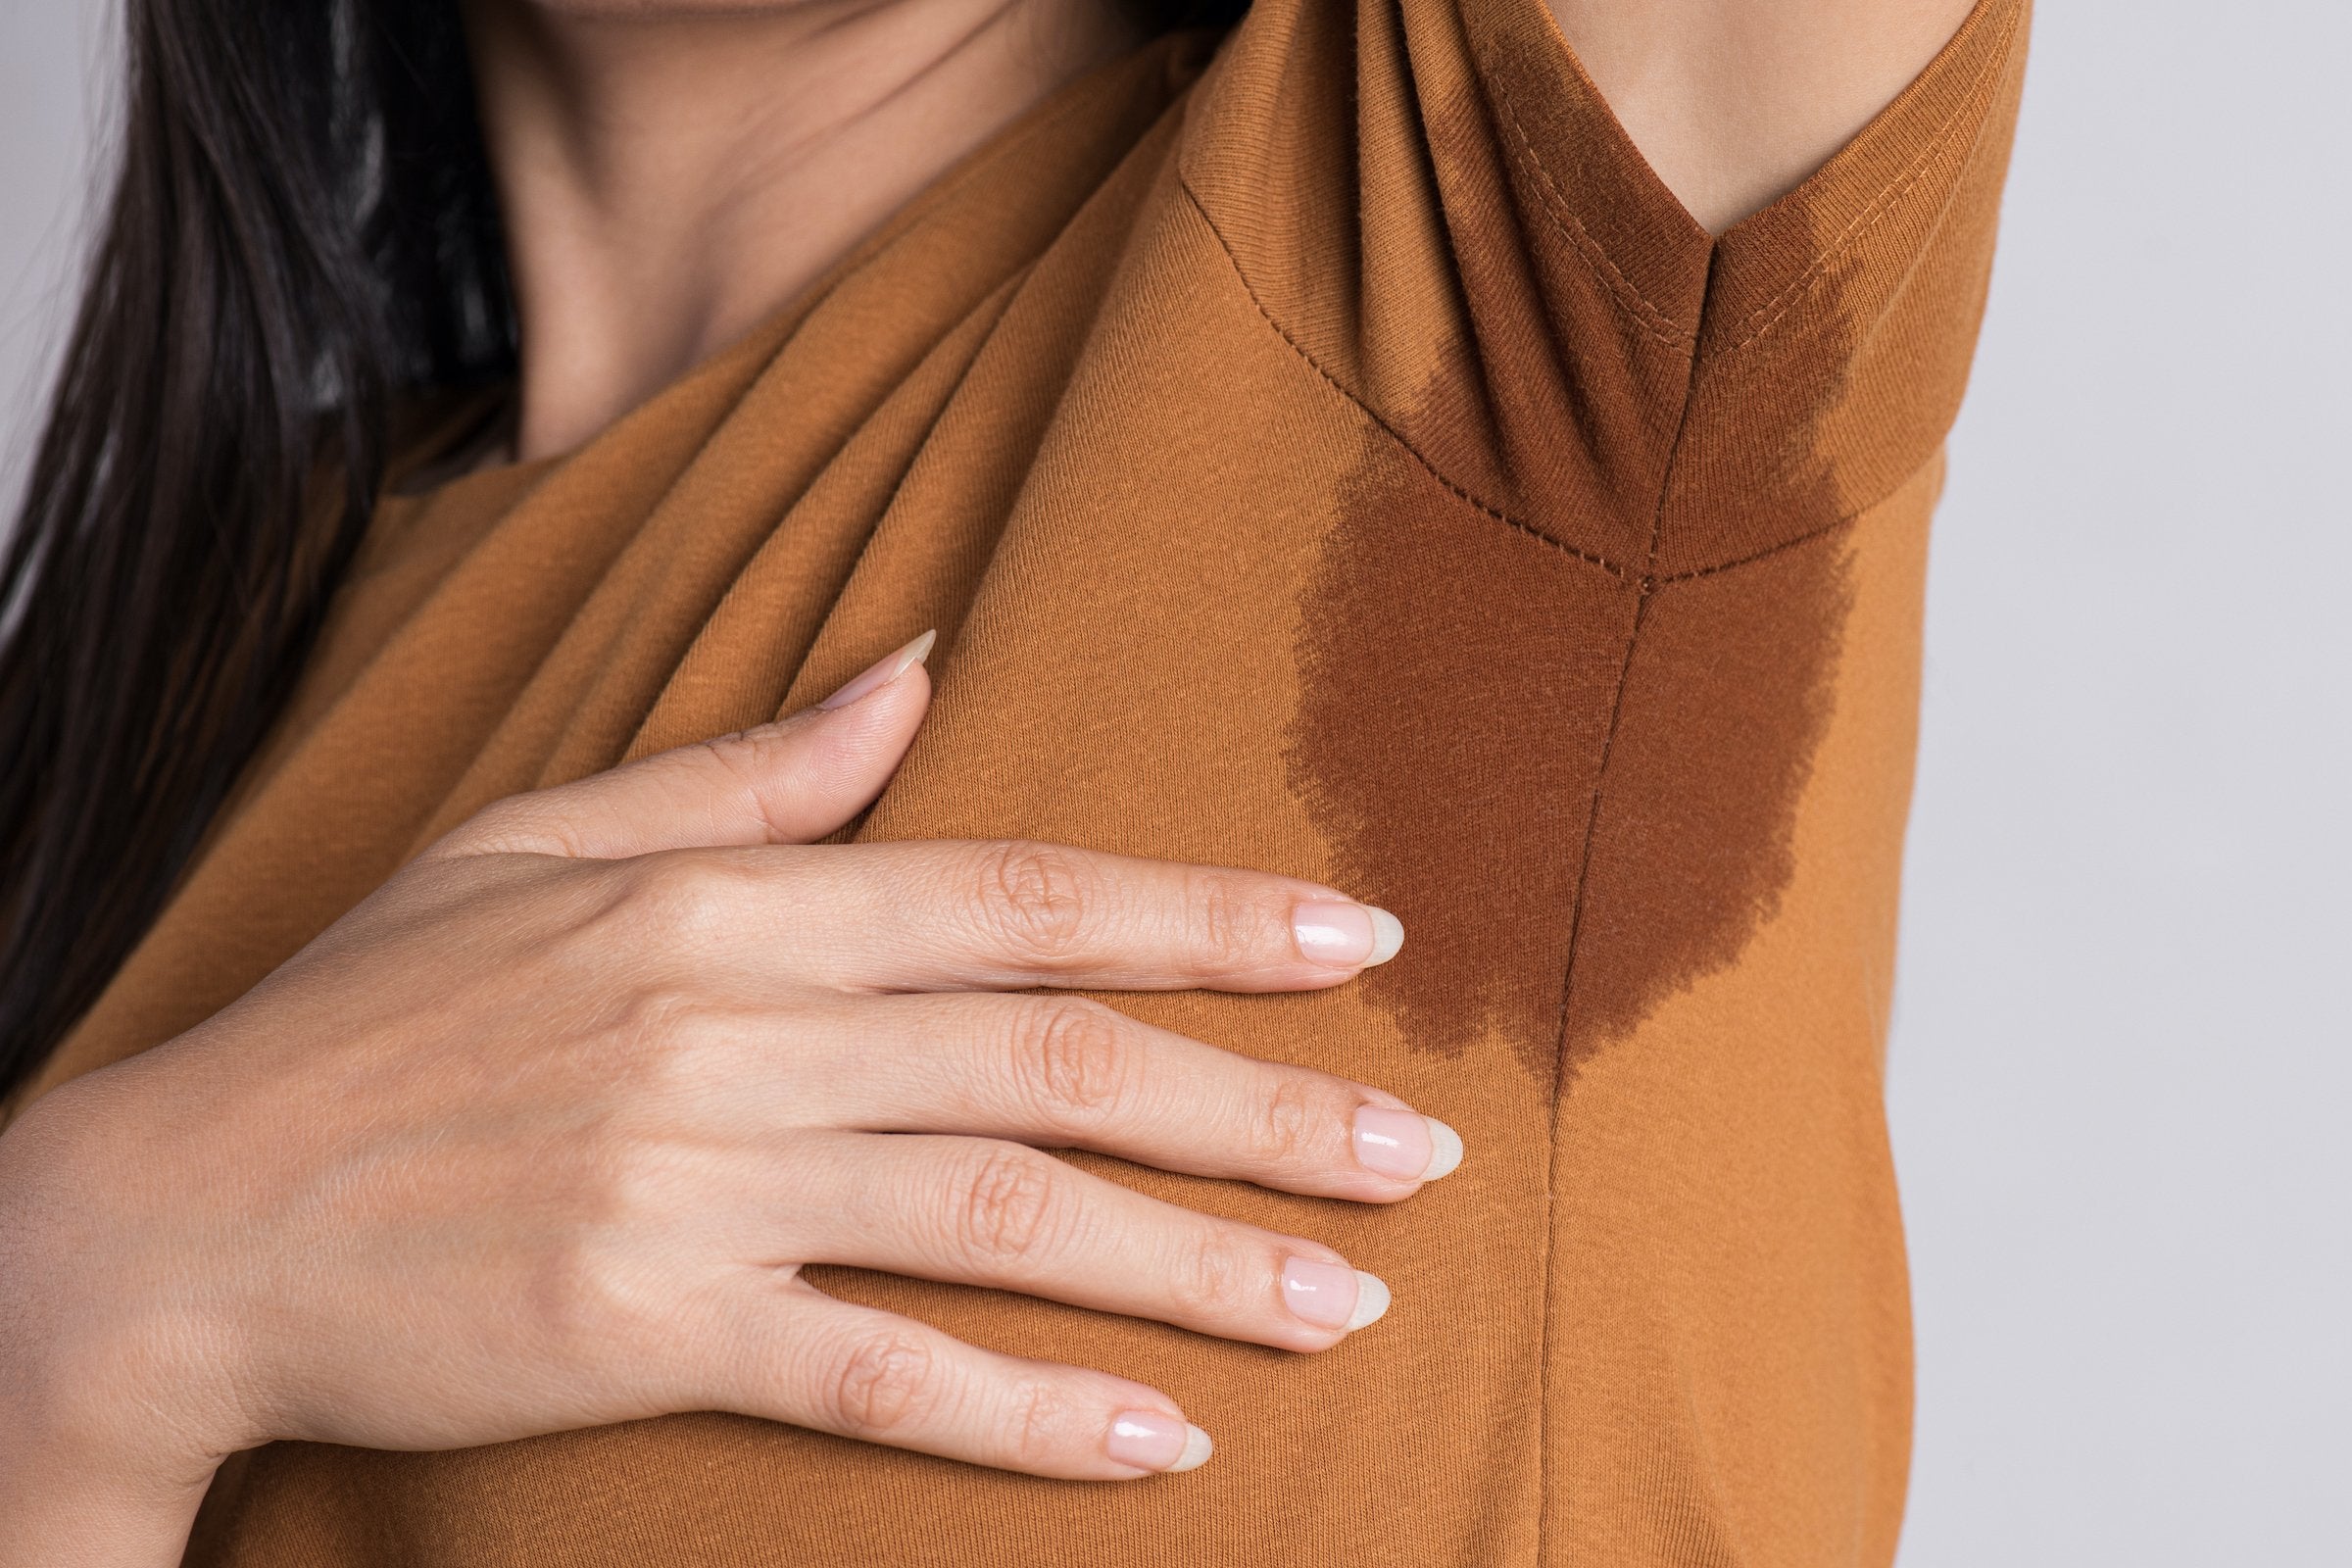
2120	1077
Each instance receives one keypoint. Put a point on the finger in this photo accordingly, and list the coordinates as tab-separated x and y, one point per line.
802	1357
978	1211
957	915
789	782
1067	1072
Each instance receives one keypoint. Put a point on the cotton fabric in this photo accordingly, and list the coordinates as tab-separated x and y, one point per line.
1329	449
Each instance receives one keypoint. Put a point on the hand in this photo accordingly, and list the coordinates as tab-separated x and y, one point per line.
539	1136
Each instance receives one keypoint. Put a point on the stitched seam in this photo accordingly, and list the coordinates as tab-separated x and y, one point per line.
1559	1096
1769	551
1576	940
1643	580
1612	567
1769	314
1774	310
1596	256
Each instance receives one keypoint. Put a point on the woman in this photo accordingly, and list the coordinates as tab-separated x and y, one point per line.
1358	445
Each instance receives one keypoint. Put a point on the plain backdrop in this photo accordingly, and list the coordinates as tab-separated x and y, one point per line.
2121	1067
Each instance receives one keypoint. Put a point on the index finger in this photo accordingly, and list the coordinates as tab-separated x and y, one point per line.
1003	914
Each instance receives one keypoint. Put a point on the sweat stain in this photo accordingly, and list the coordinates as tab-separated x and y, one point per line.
1728	692
1456	677
1576	783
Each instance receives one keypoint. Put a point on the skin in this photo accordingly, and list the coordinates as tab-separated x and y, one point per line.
540	1135
672	170
1734	102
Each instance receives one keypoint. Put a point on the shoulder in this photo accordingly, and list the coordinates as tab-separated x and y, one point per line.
1438	204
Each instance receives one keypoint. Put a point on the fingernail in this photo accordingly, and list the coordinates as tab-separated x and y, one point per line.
883	674
1405	1145
1347	936
1332	1296
1152	1439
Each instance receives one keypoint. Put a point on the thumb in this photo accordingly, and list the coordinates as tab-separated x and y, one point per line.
789	782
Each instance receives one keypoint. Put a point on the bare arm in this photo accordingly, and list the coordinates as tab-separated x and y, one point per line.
1734	102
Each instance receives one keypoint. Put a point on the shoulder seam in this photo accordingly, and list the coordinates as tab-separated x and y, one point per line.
1556	205
1765	316
1624	572
1614	569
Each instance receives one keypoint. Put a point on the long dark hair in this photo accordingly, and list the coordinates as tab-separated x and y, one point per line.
301	234
302	238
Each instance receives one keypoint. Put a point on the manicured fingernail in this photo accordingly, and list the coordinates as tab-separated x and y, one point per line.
1405	1145
1347	936
1152	1439
883	674
1332	1296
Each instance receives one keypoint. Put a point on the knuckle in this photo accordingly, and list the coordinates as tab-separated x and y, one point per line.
1004	1210
1041	1416
1228	921
678	893
493	828
1215	1279
658	1019
618	1178
583	1294
534	823
742	761
656	1041
1036	898
1071	1061
1283	1128
885	1383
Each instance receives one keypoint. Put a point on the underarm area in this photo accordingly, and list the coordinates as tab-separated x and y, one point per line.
1734	102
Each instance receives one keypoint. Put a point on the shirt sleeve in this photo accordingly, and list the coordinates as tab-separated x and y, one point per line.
1459	233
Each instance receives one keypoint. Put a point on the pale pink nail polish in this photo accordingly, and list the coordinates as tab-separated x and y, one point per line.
1393	1143
1336	934
1331	1295
884	673
1152	1439
1346	936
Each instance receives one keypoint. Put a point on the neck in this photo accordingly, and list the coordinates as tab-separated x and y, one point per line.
669	175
